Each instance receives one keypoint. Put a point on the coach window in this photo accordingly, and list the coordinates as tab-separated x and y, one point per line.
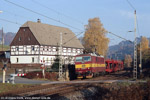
110	65
106	65
115	65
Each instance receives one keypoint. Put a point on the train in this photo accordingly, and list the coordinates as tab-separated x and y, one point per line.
91	65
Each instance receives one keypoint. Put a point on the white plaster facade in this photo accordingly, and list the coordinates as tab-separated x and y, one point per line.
31	54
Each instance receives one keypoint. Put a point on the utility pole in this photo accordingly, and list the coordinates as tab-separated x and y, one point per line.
60	60
135	51
2	39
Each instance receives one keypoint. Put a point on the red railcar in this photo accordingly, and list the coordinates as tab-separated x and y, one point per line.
88	65
113	65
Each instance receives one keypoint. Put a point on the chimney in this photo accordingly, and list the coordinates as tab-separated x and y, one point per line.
38	20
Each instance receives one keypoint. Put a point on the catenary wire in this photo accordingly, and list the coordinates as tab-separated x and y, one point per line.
136	16
73	19
130	5
119	36
10	21
53	20
42	15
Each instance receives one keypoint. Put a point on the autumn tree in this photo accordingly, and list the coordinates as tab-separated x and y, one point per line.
95	39
144	43
145	51
128	60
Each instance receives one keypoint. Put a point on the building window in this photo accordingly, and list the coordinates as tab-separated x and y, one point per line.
26	52
17	48
19	39
29	39
24	29
47	59
54	49
17	60
32	59
49	49
33	48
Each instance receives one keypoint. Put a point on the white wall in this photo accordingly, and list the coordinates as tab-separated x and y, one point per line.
23	59
47	54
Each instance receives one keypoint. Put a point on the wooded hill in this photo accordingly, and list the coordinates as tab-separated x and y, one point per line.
123	48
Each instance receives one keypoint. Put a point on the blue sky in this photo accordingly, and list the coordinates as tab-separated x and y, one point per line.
117	16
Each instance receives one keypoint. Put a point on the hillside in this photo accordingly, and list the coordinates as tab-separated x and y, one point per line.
8	37
123	48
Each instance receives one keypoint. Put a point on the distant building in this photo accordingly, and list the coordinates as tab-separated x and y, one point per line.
5	54
36	43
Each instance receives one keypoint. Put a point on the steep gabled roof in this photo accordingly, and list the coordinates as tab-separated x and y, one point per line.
50	35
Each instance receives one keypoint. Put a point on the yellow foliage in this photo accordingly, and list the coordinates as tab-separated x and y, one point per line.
144	43
95	37
127	60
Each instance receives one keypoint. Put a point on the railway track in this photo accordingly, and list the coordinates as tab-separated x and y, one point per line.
53	89
46	90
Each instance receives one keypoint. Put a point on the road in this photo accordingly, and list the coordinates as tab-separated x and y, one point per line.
31	81
25	80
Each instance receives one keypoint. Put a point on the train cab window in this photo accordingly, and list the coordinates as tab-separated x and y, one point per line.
78	59
87	58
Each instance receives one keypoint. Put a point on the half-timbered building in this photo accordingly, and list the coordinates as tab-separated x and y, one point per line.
36	43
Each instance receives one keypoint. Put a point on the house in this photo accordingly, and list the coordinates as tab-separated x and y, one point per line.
36	43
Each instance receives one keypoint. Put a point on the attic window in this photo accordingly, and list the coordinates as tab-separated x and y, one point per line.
19	39
29	38
24	29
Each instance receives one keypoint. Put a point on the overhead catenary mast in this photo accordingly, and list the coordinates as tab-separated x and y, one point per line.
2	39
135	51
60	60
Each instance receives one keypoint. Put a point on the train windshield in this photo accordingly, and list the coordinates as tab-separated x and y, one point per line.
78	59
87	58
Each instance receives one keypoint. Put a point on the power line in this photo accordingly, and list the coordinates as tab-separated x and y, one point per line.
119	36
138	26
15	14
10	21
72	38
136	15
57	12
42	15
130	5
53	20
